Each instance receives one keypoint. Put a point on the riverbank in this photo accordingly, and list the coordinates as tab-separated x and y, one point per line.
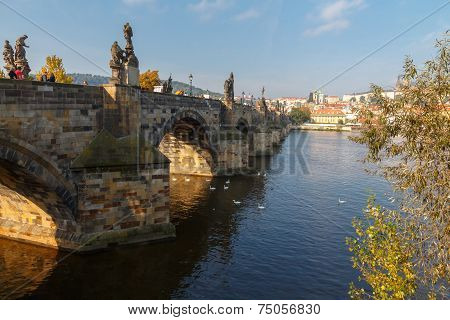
323	127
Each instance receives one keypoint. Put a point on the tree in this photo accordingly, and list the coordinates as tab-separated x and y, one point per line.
300	115
409	141
2	74
149	79
382	255
54	64
362	99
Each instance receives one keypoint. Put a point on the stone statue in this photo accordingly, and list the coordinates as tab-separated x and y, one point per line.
20	54
20	59
8	56
229	88
117	55
131	59
124	64
116	63
128	34
167	86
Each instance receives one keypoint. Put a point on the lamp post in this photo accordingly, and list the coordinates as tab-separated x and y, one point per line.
190	84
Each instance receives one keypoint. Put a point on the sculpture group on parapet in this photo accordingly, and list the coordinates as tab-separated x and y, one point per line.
16	60
124	63
167	85
229	88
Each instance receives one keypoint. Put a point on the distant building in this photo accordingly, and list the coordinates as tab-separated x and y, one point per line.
366	96
331	99
328	116
316	97
288	103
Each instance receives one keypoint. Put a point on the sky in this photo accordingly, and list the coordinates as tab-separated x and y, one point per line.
291	47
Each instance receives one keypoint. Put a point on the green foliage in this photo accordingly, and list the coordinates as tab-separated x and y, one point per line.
382	255
409	139
300	115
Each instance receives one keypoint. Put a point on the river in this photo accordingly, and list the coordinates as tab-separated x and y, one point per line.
294	248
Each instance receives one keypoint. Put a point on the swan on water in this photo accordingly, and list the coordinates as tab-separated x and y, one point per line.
341	201
228	181
212	188
236	202
225	187
261	207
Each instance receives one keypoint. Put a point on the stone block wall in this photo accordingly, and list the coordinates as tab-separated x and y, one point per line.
57	119
122	199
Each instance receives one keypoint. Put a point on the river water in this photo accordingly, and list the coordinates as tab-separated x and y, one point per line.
294	248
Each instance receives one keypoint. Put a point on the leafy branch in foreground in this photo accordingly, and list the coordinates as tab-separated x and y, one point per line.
382	255
408	139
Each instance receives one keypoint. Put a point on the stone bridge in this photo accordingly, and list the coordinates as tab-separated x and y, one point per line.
87	167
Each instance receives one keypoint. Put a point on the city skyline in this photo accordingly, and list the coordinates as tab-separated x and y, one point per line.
291	48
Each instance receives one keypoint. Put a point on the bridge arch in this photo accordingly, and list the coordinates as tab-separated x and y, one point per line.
22	155
243	126
36	203
187	141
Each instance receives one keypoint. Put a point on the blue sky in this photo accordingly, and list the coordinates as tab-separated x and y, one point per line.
289	46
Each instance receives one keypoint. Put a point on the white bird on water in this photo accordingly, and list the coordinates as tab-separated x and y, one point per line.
187	179
208	180
225	187
341	201
259	173
212	188
261	207
228	181
265	175
174	179
236	202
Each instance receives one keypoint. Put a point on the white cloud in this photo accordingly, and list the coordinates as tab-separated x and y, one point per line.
251	13
329	26
208	8
334	16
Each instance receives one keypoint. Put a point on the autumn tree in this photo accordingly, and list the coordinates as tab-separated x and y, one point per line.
149	80
300	115
408	140
54	64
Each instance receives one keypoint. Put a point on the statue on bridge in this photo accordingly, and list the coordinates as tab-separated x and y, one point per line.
129	49
8	56
229	88
20	58
128	34
124	64
167	85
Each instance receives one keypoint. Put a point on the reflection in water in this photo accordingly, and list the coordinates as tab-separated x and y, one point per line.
23	267
292	249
